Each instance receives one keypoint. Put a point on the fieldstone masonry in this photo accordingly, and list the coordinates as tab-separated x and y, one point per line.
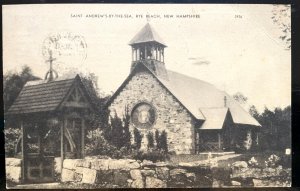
128	173
170	114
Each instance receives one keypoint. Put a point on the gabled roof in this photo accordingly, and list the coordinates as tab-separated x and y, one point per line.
147	34
142	67
197	95
214	117
40	96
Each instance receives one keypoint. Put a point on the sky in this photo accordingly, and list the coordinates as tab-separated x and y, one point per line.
235	47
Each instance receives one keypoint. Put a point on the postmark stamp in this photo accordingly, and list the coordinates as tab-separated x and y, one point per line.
65	45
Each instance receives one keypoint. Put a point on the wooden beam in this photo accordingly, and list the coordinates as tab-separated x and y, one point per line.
82	137
23	150
62	142
219	140
77	104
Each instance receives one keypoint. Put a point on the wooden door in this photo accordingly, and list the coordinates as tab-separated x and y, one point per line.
38	160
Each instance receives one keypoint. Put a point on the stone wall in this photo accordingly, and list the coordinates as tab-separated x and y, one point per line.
128	173
13	170
170	115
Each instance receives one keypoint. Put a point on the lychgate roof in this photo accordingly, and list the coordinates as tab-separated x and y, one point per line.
39	96
147	34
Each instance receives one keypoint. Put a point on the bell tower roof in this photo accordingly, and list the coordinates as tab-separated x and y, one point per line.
147	34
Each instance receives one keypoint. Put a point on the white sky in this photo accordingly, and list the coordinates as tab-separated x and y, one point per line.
244	54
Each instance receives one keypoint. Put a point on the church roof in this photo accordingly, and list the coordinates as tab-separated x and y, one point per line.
198	96
146	34
201	99
40	96
214	117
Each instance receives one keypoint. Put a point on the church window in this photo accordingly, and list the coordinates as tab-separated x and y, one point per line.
143	115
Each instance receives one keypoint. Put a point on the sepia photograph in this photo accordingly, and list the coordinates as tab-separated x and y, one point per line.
147	95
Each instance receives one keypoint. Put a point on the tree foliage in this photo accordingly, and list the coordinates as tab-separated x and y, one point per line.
12	136
275	133
150	139
13	82
118	133
239	97
137	138
281	17
161	141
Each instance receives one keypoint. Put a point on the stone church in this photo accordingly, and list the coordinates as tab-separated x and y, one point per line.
195	114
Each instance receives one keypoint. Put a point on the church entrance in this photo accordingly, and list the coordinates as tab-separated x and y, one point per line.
209	141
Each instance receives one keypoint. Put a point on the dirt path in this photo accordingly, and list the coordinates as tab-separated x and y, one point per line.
208	162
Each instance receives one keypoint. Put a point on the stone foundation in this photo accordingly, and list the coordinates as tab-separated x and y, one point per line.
13	170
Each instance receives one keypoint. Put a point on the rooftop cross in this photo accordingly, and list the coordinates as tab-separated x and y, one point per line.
51	70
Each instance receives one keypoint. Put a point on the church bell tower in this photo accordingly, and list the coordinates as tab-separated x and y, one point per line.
148	48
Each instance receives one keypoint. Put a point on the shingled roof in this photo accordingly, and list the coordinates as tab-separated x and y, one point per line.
201	99
147	34
40	96
197	95
214	117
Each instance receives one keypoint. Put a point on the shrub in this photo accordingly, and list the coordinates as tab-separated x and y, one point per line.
150	140
161	141
96	144
12	136
157	139
137	138
153	155
117	131
272	161
253	162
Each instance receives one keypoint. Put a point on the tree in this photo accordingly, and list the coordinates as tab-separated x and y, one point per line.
275	133
126	133
281	16
117	131
137	138
150	139
163	141
239	97
13	83
253	112
157	139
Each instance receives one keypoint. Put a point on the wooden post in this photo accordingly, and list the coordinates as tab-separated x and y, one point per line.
196	141
82	137
62	143
159	55
219	140
132	54
23	150
145	52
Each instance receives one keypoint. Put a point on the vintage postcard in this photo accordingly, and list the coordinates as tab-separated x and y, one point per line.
147	95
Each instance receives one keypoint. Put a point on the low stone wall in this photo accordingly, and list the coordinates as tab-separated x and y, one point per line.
127	173
243	175
13	170
131	173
